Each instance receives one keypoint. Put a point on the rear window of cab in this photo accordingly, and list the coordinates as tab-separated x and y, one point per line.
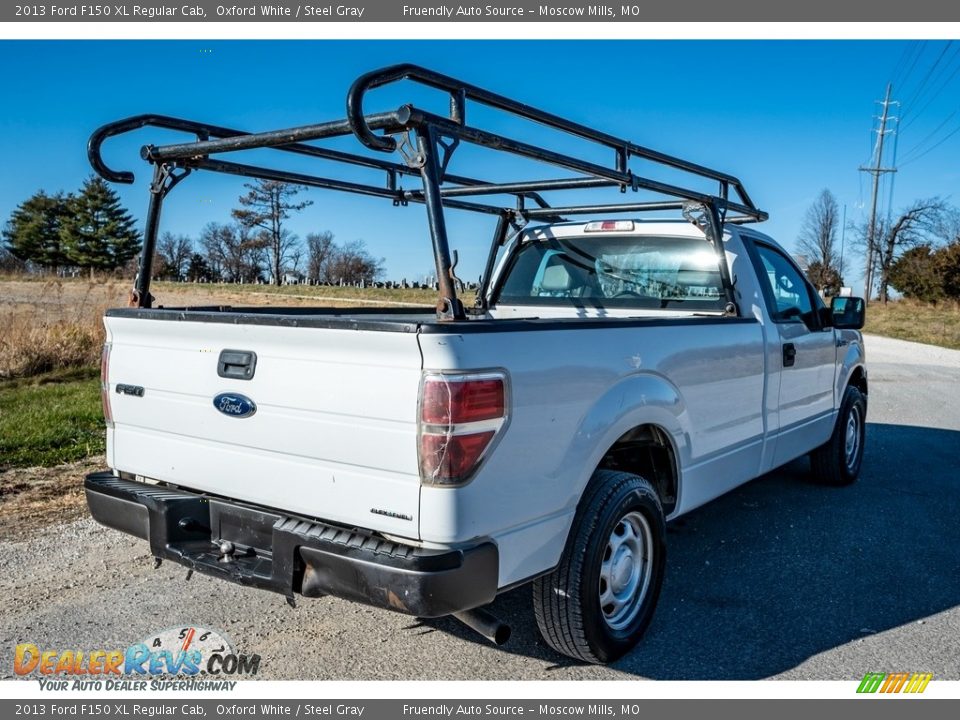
649	272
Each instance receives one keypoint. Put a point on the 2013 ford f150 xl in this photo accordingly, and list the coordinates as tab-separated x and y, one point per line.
614	374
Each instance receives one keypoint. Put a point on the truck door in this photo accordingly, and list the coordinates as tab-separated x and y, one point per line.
807	355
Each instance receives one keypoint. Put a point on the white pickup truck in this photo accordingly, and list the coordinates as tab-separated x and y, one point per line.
614	374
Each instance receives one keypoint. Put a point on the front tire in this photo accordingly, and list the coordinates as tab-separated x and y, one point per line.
837	462
600	599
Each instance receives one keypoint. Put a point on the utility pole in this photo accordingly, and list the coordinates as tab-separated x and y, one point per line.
876	170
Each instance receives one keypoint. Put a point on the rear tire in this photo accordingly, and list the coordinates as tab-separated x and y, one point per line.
837	462
600	599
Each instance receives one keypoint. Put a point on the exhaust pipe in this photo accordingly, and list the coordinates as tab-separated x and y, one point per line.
486	624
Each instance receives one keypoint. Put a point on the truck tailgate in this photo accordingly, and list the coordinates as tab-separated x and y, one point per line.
334	434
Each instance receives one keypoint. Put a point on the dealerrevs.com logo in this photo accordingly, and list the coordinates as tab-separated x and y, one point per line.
902	682
186	658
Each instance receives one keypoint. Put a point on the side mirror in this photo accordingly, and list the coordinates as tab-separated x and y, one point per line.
847	313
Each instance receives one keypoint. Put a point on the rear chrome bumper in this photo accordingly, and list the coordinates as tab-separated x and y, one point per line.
289	555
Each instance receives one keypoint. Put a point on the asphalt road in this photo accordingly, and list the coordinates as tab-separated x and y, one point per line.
781	578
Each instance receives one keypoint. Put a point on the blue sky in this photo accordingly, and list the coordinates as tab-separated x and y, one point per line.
788	118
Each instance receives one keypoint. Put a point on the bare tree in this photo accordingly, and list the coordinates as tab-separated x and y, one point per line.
818	241
233	253
265	207
352	263
919	223
948	226
173	253
213	252
320	249
296	255
9	263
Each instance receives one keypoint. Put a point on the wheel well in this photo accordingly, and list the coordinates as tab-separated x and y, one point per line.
858	378
646	451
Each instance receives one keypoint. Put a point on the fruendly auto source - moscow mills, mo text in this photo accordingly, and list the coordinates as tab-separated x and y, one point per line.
517	11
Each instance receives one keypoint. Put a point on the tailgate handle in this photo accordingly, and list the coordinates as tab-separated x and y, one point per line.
237	364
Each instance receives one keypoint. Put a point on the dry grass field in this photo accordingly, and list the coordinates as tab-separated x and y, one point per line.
57	324
919	322
54	324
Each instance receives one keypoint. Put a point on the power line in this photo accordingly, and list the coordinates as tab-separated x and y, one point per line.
919	91
929	81
906	76
930	150
894	76
893	176
923	142
936	94
908	53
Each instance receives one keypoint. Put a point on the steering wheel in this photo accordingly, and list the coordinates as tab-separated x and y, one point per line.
791	312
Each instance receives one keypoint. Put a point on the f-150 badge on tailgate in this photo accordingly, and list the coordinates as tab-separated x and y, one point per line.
235	405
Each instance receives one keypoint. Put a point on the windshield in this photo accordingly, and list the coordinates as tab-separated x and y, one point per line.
615	271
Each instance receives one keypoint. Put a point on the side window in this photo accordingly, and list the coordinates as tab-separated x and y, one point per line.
788	290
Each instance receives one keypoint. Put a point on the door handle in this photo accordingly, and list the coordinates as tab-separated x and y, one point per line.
789	354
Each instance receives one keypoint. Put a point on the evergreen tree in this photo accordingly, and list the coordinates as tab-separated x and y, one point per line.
99	233
198	270
32	234
825	278
948	262
917	274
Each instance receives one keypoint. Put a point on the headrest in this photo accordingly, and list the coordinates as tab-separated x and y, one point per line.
557	277
693	276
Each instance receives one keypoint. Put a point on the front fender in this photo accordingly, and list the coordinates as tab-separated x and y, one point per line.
852	355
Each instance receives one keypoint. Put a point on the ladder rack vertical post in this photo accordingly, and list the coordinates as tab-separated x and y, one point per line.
158	190
449	306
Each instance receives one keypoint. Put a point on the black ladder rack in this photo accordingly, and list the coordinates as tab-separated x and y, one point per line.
426	142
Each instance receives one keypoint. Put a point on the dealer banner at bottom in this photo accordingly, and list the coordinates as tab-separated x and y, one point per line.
875	709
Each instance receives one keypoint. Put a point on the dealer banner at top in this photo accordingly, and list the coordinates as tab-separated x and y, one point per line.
501	11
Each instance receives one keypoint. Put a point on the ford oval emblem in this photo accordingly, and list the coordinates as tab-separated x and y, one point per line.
235	405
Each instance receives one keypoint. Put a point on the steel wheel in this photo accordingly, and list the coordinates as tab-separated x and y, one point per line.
837	462
598	601
626	570
851	442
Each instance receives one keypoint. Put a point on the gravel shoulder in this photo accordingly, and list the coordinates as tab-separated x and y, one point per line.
33	499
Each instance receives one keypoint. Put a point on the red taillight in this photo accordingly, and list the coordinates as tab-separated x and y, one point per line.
450	458
460	415
461	401
105	384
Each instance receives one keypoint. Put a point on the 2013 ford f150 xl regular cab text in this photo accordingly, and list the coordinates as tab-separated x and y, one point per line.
613	374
